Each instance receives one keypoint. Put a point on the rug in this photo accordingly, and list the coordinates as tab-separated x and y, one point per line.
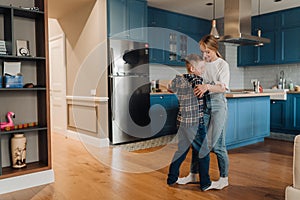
155	142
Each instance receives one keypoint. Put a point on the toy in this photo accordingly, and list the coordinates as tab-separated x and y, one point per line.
9	122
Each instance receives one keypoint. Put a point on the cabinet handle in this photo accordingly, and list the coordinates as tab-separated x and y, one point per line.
161	97
273	102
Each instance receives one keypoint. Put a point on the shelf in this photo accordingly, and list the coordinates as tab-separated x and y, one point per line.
23	130
21	12
23	89
21	58
30	168
18	21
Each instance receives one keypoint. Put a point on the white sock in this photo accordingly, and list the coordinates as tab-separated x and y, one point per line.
223	182
214	185
188	179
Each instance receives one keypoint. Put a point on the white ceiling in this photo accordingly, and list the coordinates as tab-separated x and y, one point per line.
198	8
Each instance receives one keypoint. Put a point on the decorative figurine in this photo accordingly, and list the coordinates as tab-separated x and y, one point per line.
9	122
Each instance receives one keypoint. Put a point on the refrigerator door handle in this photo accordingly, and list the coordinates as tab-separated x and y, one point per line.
111	68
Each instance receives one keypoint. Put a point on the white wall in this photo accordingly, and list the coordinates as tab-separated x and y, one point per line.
86	58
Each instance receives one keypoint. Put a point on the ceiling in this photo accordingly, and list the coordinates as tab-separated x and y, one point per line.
198	8
60	8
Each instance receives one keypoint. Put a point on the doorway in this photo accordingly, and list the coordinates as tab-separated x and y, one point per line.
57	66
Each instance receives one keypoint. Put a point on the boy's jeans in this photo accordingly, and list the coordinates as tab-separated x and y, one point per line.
194	135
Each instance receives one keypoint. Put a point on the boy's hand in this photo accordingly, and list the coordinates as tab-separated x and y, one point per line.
200	90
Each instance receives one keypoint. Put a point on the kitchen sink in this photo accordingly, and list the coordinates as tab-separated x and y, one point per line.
279	94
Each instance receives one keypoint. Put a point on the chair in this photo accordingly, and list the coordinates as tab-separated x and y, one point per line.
293	192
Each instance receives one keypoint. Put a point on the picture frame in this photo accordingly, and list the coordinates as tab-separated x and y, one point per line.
22	48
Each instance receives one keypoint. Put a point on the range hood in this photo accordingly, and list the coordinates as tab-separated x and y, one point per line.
237	24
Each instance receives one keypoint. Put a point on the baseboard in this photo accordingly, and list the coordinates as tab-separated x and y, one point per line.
26	181
87	139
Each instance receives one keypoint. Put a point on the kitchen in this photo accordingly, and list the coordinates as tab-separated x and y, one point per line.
78	40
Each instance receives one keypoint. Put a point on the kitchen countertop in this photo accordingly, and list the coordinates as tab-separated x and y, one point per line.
238	94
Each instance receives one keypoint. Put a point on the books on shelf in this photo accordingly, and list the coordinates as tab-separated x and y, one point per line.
3	50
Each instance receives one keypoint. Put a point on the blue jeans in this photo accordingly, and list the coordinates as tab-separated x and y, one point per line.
194	135
215	119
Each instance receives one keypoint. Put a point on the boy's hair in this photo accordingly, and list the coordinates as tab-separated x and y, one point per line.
194	60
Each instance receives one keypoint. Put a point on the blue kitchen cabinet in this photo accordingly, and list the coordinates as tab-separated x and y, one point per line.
231	130
261	117
294	114
248	121
157	36
247	56
289	35
285	116
166	108
290	18
278	114
127	19
172	36
137	19
261	55
116	15
156	40
283	29
290	45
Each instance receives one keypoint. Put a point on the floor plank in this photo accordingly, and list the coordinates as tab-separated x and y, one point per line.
259	171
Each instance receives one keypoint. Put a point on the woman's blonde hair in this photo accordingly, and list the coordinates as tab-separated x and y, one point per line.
210	42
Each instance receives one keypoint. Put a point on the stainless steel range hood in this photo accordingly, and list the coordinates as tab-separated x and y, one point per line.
237	24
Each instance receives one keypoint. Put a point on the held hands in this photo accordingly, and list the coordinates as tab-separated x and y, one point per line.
200	90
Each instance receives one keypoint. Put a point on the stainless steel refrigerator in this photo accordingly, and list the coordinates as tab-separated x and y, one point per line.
129	91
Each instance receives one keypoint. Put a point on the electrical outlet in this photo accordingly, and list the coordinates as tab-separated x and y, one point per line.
93	92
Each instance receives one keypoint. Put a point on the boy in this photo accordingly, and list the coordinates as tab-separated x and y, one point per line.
190	117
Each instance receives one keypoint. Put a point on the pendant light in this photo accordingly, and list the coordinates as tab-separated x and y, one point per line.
214	30
259	28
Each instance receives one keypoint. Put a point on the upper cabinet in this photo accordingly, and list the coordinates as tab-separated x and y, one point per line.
283	29
173	36
261	55
127	19
289	34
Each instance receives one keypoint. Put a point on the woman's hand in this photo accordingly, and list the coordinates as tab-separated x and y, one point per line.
200	90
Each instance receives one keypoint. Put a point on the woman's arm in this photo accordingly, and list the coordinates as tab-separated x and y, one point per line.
201	89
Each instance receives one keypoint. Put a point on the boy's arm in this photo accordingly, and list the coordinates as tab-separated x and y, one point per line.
201	89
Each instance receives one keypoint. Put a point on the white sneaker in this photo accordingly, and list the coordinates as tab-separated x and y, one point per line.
214	185
188	179
223	182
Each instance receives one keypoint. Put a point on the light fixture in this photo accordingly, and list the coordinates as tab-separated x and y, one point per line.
214	30
259	28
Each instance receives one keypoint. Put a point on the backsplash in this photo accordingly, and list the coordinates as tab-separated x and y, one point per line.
269	75
165	72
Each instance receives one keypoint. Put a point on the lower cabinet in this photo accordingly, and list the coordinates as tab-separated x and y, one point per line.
248	121
248	118
164	109
285	115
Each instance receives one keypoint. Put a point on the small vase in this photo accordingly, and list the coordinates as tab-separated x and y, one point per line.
18	150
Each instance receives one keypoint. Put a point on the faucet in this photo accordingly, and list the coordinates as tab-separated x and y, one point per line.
281	84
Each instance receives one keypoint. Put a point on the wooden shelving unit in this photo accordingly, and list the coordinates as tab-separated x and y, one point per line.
26	20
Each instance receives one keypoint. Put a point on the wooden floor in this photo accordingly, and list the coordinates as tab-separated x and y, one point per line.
257	172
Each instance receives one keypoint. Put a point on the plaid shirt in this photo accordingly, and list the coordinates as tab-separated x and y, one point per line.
190	107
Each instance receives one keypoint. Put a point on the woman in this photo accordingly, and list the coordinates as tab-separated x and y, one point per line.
216	79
